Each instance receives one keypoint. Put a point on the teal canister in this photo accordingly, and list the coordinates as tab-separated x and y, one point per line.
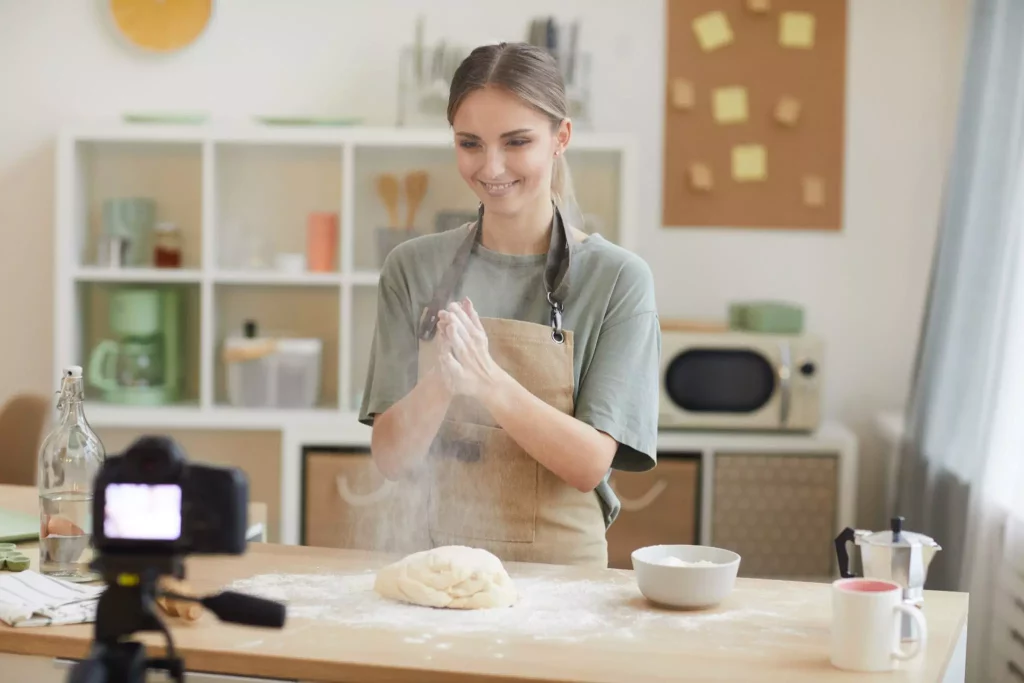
133	219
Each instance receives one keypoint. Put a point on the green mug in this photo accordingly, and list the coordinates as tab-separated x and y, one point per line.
131	218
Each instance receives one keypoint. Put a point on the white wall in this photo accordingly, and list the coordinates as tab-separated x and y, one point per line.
863	289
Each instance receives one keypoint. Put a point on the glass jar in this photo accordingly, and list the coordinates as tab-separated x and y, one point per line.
167	246
69	459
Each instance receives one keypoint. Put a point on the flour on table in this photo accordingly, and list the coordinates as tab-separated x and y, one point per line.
549	608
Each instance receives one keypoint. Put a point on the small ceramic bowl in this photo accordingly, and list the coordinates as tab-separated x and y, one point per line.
664	579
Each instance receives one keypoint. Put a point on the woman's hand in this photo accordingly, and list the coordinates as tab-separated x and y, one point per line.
465	361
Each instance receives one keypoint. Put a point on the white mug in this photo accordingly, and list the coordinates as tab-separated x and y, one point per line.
866	617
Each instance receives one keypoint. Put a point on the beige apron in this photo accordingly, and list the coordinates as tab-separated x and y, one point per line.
482	489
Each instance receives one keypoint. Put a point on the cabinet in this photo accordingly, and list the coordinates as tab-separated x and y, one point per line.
778	512
347	503
282	226
778	500
658	506
346	500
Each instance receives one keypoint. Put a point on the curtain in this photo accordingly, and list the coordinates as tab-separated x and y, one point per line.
961	472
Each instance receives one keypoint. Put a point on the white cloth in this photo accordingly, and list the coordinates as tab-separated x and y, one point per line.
29	598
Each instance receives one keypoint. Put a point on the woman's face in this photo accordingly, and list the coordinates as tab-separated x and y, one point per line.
505	150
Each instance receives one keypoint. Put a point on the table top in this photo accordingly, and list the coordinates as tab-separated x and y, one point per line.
572	624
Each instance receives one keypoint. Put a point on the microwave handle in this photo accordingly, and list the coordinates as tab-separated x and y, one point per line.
785	371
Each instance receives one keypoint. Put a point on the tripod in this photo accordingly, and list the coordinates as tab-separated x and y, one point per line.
128	605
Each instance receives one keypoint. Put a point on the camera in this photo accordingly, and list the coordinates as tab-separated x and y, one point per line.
151	509
151	501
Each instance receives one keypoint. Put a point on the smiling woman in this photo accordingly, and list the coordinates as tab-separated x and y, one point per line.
515	359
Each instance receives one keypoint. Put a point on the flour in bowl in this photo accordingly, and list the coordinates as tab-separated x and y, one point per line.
676	562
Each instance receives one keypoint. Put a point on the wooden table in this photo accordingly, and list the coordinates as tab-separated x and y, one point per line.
764	631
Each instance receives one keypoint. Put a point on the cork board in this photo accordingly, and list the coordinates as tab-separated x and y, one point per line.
754	118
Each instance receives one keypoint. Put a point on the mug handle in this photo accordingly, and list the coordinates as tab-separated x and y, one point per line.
922	633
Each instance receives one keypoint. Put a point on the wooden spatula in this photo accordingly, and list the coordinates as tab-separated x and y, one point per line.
387	189
415	190
190	611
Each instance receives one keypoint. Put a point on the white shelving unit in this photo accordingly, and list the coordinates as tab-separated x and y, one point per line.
210	179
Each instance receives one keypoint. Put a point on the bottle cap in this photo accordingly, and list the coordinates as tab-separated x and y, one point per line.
73	371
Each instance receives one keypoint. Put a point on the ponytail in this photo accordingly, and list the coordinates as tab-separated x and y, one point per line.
563	194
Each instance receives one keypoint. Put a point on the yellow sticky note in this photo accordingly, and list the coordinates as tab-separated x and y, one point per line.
713	30
730	104
796	29
749	162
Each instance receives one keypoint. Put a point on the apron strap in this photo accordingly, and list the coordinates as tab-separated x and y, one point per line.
556	276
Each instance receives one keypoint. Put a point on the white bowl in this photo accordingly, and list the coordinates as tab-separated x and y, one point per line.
695	587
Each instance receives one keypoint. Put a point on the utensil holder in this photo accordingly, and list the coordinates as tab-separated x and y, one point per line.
424	80
389	238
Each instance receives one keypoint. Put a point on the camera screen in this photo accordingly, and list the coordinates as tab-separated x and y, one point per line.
144	512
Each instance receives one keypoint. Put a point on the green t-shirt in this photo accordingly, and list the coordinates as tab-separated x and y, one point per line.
609	307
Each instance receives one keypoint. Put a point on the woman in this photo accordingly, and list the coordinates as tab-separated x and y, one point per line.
515	359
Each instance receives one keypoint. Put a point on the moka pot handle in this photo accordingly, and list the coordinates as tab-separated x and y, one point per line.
847	535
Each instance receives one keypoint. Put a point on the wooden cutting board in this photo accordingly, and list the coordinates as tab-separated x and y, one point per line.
18	526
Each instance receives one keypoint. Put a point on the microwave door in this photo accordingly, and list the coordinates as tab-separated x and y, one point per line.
725	384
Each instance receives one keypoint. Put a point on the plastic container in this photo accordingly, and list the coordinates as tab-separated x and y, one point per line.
268	372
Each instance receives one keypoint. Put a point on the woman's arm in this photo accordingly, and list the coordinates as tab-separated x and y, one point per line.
573	450
402	434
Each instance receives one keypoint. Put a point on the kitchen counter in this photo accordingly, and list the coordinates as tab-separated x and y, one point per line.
573	624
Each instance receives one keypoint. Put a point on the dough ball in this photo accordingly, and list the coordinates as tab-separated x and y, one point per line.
453	576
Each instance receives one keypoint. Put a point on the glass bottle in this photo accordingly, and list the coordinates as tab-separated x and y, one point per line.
69	459
167	248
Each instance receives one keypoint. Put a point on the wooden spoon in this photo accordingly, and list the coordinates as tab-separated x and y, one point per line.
387	189
415	190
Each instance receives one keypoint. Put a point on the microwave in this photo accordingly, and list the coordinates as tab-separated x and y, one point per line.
740	381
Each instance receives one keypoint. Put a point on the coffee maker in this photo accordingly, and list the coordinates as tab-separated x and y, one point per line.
142	366
899	556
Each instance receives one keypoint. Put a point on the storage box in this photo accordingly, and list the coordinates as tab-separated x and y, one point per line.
273	373
766	316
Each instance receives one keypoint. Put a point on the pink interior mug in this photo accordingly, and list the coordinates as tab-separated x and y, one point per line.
866	619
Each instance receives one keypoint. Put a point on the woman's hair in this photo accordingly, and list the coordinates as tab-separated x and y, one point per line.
531	74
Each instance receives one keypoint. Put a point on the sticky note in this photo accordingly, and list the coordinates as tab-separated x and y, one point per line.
749	163
730	104
796	30
713	30
787	110
759	6
700	177
814	191
684	95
